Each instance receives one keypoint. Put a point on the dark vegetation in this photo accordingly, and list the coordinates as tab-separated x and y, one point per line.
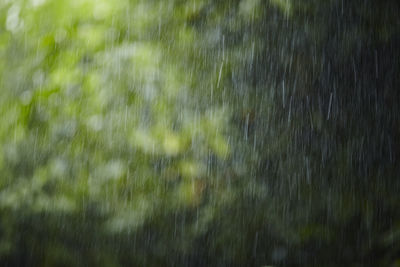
199	133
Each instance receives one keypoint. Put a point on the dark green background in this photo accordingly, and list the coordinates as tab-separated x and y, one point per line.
199	133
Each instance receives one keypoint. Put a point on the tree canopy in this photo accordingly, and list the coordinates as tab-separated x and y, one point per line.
199	133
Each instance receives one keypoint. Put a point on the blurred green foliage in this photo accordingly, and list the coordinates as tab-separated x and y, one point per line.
199	133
